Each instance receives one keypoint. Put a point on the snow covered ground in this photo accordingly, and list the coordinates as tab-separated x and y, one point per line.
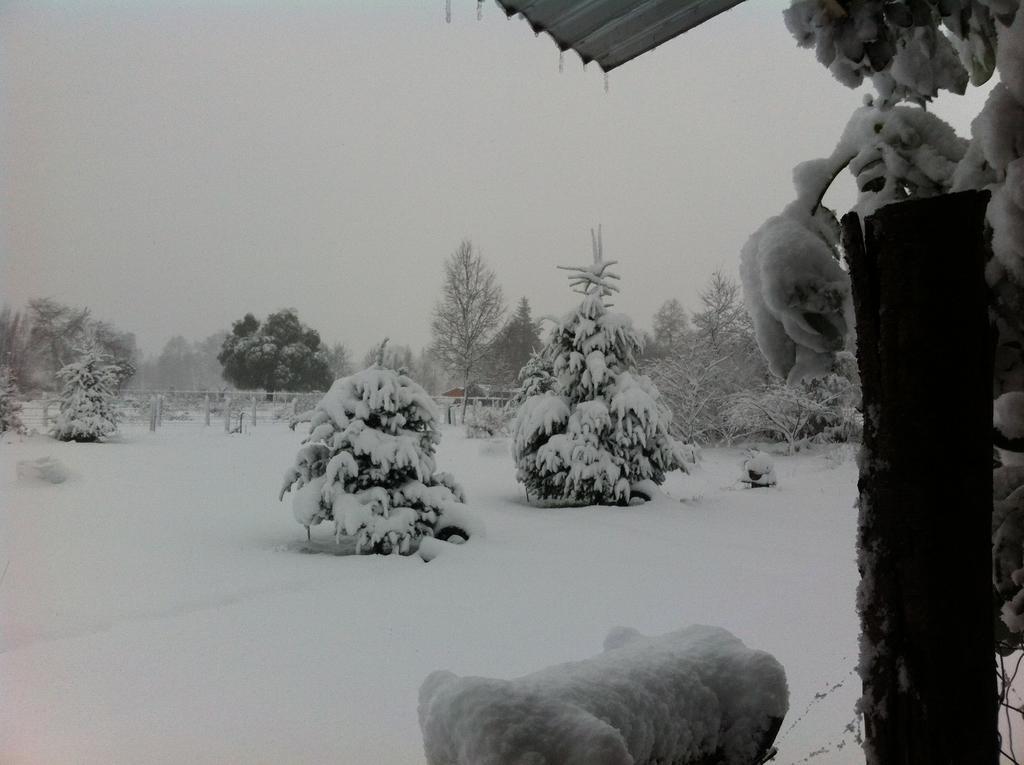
156	606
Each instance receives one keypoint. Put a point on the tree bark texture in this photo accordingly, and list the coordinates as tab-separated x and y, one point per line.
924	547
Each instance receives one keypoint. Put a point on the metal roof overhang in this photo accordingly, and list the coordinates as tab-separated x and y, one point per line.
612	32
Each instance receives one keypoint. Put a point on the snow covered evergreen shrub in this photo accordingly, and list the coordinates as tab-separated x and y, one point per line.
599	431
534	379
10	407
87	411
368	465
692	697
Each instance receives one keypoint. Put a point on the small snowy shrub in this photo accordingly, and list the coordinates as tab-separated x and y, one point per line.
486	422
87	411
598	430
758	469
10	407
692	697
368	465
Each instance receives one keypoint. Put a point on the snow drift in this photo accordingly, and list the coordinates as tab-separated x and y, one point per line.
696	695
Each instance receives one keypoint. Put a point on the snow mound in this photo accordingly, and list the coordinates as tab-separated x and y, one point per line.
694	695
1008	414
48	469
758	469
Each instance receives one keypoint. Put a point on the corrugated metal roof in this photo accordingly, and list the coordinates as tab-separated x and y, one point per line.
612	32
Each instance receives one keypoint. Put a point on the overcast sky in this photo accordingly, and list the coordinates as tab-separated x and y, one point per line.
174	165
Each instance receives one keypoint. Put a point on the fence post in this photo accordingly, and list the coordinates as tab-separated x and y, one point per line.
918	273
227	414
152	414
159	411
253	410
206	407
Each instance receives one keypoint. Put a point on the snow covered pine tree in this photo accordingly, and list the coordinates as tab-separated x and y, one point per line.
598	435
87	410
10	407
368	465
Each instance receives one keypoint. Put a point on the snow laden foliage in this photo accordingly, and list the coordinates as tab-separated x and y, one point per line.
10	406
909	49
996	161
797	292
599	431
697	695
87	411
1008	509
368	465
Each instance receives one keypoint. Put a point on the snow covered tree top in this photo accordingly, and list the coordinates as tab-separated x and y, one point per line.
391	400
595	278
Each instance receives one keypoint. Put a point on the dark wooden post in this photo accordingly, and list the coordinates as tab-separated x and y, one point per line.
925	550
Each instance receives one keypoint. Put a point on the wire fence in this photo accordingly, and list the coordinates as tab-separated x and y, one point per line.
234	411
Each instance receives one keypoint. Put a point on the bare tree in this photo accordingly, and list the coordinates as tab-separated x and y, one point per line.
57	330
467	315
671	327
787	411
15	346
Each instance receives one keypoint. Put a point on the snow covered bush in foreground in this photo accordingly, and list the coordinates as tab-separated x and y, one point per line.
694	696
797	292
598	432
87	410
910	51
10	407
1008	509
368	465
901	46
